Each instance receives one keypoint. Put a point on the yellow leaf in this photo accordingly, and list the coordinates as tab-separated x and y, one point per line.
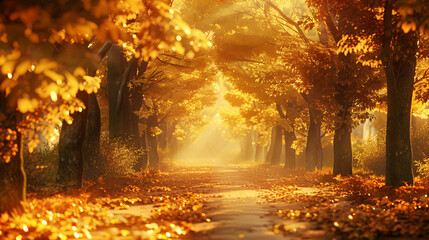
26	104
125	233
44	65
53	75
22	68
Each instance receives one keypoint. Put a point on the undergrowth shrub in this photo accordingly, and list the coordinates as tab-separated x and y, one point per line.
370	154
41	166
420	141
423	169
118	156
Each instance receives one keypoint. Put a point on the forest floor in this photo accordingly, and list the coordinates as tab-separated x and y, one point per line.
245	201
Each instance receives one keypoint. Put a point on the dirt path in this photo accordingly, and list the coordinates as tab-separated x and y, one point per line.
236	208
239	211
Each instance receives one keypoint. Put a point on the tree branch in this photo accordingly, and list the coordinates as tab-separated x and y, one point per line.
289	20
328	21
280	110
173	64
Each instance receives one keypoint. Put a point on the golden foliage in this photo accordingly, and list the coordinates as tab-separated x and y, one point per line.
45	52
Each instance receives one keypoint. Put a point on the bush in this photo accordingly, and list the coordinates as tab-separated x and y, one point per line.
370	155
41	166
420	140
118	157
423	168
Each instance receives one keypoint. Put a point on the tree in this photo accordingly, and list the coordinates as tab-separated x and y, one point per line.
399	60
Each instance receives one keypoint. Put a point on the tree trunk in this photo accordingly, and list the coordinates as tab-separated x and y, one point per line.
271	146
400	65
162	138
259	150
398	144
290	153
343	161
13	182
171	140
136	103
143	162
92	148
247	151
343	158
123	107
313	149
115	68
277	146
71	147
152	142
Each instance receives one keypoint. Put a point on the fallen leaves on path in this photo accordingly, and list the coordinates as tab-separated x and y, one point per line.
87	214
357	207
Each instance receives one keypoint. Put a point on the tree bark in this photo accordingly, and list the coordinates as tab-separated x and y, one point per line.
313	149
277	146
290	153
123	106
271	146
247	151
343	158
162	138
152	142
92	148
116	63
136	100
71	147
399	61
289	139
13	181
259	150
343	161
143	162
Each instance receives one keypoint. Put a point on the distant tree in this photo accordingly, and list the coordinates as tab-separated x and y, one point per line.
175	88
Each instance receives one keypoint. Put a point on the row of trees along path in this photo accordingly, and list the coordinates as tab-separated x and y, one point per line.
335	60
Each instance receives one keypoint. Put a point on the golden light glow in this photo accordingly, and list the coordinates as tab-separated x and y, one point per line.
54	96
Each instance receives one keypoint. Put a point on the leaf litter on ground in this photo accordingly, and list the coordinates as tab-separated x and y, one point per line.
355	207
87	213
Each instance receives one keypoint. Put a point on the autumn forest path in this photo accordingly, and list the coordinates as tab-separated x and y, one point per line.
234	203
236	209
